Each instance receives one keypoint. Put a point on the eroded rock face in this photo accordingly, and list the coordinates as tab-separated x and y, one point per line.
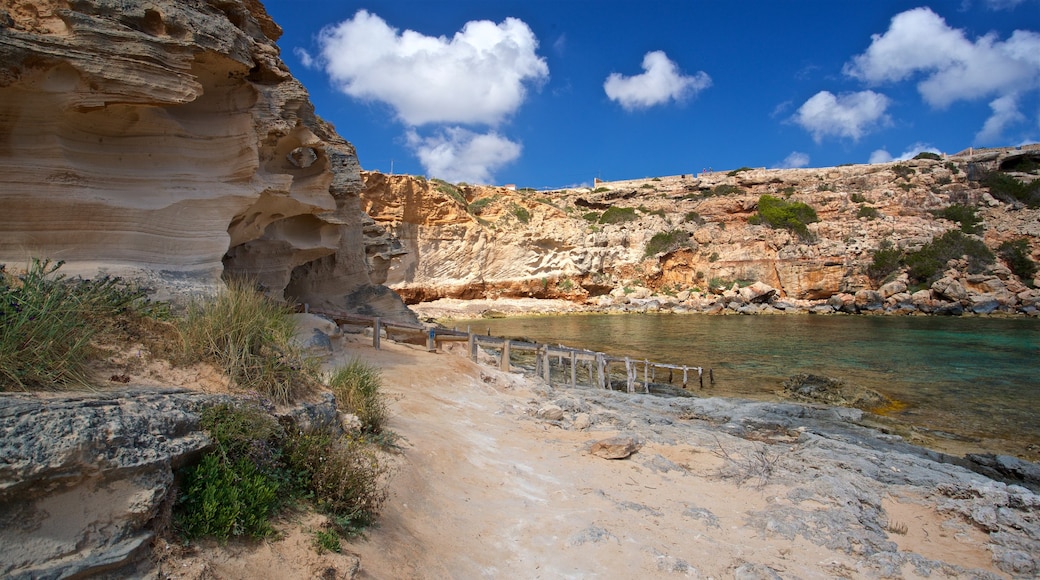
584	244
167	140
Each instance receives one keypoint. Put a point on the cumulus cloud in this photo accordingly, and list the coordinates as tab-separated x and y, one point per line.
849	115
660	82
951	67
480	75
456	154
882	156
795	160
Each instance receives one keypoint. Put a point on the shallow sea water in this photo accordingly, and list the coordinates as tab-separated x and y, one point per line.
969	377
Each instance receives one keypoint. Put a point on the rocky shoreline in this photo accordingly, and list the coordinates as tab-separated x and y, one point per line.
951	295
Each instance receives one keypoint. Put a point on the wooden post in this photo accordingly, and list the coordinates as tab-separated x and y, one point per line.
503	363
646	375
377	328
574	369
538	361
684	376
630	378
547	367
601	378
471	341
700	376
431	340
711	377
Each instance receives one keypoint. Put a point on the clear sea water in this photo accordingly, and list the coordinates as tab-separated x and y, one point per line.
974	380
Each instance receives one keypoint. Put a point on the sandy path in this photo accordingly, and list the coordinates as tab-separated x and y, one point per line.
485	490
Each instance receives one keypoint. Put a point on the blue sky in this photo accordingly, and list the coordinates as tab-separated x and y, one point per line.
552	93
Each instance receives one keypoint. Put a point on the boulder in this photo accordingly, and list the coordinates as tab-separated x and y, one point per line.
868	300
892	288
829	391
949	289
619	447
758	293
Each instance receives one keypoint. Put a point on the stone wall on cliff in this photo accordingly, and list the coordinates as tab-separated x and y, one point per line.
166	140
486	242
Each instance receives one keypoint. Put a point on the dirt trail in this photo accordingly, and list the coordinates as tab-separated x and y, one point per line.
486	490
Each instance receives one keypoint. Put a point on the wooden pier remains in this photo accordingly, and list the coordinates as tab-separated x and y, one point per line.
595	366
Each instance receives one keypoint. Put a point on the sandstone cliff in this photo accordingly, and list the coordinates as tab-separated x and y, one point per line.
467	241
167	141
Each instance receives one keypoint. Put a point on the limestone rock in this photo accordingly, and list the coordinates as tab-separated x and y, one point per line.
112	456
167	141
619	447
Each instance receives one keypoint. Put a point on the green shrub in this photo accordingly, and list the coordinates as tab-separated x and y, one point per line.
477	207
727	189
592	216
327	541
928	155
357	389
927	264
714	257
449	190
788	191
222	499
1009	190
886	260
47	322
618	215
1015	254
903	171
857	198
865	211
249	336
965	215
521	213
952	167
666	242
345	477
238	485
792	216
738	170
693	217
601	190
648	211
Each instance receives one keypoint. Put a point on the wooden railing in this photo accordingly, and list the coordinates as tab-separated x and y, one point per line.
596	366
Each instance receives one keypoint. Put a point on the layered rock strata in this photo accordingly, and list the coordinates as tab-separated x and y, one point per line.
689	243
168	141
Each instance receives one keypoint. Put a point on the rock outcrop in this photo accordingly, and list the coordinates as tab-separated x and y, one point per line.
84	479
167	141
687	242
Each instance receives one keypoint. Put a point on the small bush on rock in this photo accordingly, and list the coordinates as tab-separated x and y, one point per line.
965	215
789	215
618	215
1015	254
927	264
666	242
1009	190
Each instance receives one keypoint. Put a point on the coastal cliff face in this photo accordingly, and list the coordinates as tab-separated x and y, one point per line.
167	141
598	245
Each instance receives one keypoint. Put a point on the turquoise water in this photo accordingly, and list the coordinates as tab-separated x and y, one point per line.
978	378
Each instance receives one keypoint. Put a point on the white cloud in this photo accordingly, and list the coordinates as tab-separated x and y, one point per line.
480	75
455	154
305	57
795	160
660	82
848	115
1005	114
919	42
882	156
